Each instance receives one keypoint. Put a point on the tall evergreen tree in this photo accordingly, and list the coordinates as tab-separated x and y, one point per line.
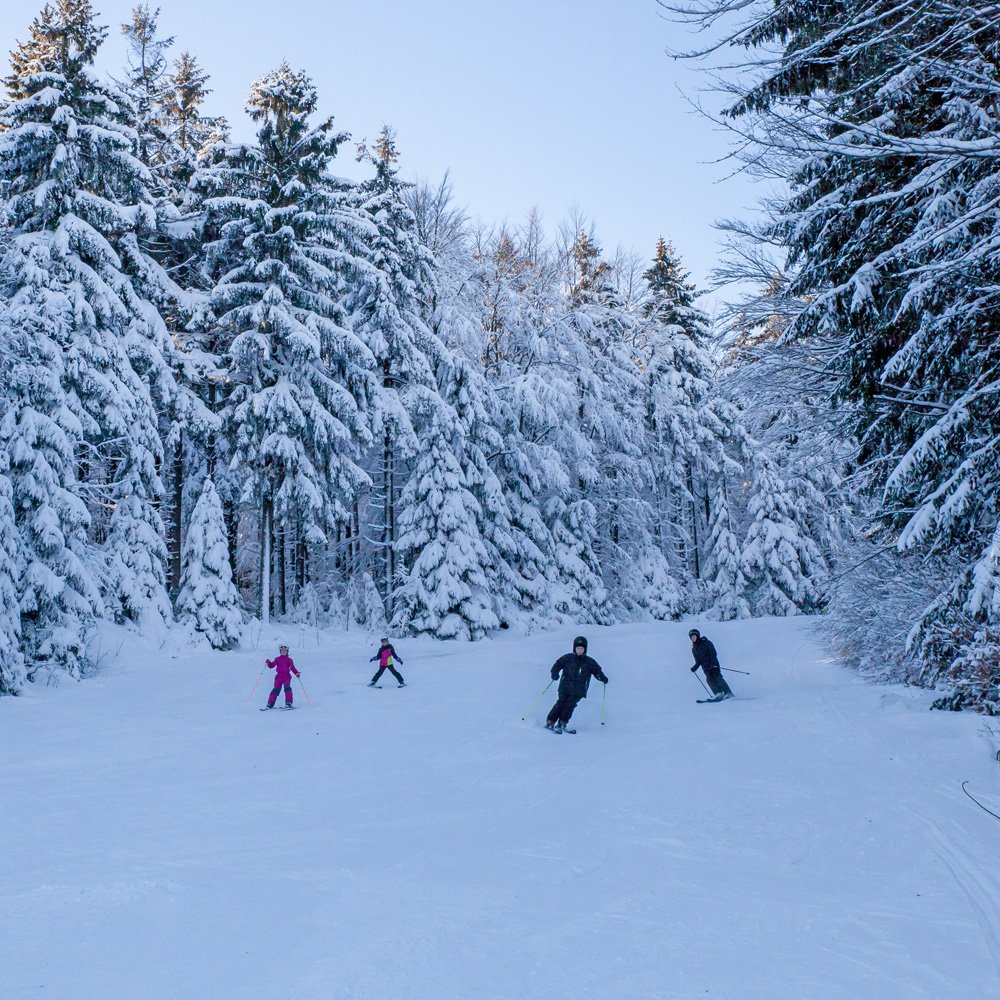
390	302
295	415
76	200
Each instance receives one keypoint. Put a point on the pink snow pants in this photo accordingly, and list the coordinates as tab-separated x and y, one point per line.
278	684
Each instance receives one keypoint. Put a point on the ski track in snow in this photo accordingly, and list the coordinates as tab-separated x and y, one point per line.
808	839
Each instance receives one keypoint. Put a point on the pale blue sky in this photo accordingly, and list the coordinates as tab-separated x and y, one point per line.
547	103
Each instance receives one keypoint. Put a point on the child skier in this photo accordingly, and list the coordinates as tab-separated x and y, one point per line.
283	668
386	657
576	668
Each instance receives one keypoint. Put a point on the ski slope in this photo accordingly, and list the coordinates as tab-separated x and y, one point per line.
164	840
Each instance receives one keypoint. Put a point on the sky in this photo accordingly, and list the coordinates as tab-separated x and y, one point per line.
561	105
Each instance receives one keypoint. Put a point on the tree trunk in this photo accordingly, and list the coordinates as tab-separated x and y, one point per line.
177	517
266	519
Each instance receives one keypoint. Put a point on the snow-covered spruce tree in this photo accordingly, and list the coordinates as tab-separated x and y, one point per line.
523	349
685	423
76	200
390	301
576	586
477	436
145	85
300	378
56	583
12	673
447	588
610	468
723	563
779	560
890	228
208	599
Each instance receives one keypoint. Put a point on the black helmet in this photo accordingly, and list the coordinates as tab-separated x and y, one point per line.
580	640
694	632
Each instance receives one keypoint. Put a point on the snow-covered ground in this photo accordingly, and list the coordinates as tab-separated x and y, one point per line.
164	839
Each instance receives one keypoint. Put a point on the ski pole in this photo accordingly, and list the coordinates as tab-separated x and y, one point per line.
702	683
604	698
733	670
537	702
255	683
304	691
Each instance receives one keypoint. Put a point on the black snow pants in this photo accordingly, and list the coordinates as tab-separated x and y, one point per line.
392	670
562	710
716	681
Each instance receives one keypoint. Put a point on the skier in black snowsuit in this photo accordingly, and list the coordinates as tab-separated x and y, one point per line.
576	668
707	658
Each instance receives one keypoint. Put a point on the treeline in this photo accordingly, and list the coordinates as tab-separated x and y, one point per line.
234	383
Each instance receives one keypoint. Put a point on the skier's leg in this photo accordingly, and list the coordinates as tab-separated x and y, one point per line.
288	692
378	674
715	682
726	689
554	713
273	696
568	708
395	673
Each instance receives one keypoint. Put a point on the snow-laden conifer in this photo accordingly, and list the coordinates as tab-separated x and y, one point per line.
576	587
390	300
208	599
12	673
778	559
723	565
447	588
77	200
299	376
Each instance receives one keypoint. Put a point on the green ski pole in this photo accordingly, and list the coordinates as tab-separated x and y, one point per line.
537	702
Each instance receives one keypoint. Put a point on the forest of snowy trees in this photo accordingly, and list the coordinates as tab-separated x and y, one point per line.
234	384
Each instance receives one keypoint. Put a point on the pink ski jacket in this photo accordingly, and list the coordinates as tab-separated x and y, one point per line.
283	667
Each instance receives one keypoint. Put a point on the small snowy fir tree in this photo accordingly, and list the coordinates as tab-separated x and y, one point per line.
364	604
779	560
657	592
722	567
577	589
447	590
309	608
208	598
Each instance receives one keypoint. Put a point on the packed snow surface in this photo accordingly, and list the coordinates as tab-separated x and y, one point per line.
163	838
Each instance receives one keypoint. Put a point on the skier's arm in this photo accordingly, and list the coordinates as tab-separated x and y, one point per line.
374	658
396	657
291	666
556	668
270	665
599	674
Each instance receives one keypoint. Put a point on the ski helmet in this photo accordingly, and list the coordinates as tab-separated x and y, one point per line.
580	640
694	632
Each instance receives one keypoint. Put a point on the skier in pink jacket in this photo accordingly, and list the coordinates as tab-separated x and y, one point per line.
283	668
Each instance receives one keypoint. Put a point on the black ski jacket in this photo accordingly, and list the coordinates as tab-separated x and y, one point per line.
705	655
576	673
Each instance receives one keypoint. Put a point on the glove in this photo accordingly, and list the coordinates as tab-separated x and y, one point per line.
604	680
694	668
555	676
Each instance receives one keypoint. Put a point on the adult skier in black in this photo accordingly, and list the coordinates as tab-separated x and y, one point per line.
707	658
576	668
